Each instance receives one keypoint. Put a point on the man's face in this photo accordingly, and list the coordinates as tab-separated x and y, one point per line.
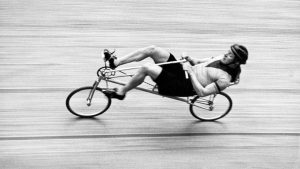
228	58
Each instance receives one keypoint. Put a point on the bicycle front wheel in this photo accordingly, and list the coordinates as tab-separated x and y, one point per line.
78	104
212	107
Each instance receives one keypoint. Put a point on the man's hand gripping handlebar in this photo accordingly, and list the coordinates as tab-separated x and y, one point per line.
186	65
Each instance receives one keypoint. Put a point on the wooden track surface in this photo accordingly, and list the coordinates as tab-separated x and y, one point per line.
49	48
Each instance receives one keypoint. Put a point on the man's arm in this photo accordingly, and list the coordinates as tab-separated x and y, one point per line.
194	61
212	88
199	89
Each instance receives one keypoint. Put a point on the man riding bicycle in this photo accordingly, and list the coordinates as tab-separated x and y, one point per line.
205	76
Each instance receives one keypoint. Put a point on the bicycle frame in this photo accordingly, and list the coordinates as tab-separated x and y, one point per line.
107	74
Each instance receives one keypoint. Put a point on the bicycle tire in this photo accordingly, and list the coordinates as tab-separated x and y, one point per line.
212	115
100	100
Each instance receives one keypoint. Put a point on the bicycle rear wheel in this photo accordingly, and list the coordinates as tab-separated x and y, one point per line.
77	103
212	107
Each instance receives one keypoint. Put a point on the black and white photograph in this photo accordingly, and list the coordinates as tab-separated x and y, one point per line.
138	84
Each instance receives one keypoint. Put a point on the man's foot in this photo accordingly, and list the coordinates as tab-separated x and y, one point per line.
113	94
108	56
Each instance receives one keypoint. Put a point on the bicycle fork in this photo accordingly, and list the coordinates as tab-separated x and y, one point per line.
91	94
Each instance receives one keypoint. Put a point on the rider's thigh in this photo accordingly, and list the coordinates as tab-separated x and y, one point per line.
158	54
152	70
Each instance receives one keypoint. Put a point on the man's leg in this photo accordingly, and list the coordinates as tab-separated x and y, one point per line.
159	55
147	70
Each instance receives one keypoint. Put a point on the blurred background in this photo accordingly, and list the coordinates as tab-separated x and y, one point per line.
49	48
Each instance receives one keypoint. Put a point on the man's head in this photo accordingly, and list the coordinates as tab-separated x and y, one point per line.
237	54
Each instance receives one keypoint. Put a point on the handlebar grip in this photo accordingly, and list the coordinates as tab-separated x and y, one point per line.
185	72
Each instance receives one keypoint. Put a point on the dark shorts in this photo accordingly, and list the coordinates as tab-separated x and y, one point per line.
172	82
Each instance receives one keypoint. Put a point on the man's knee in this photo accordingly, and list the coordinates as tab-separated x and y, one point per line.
150	50
147	67
151	70
158	54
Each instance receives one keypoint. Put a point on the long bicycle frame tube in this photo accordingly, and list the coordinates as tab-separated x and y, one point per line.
159	64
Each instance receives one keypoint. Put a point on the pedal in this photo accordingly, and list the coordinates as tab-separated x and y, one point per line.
106	54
